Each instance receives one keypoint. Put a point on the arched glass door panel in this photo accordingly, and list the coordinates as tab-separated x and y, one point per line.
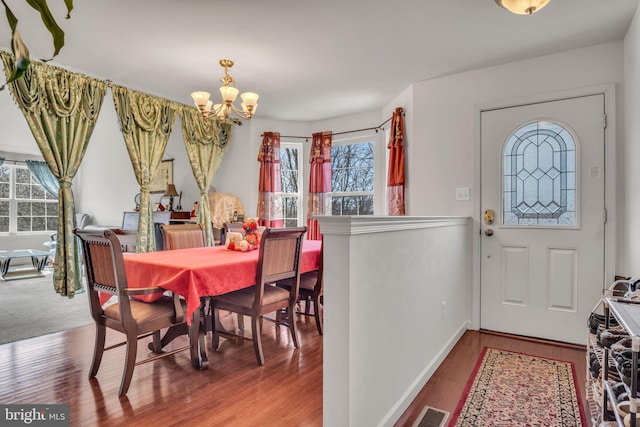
539	176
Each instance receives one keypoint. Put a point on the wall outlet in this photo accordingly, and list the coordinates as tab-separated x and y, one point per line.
463	193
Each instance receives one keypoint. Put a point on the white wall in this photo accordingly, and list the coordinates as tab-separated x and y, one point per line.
631	236
445	116
391	316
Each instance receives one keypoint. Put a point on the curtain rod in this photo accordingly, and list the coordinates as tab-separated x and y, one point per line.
14	161
377	128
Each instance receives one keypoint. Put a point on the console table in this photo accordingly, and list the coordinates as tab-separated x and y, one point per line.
38	261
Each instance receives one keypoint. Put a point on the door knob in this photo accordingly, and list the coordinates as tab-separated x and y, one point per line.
488	232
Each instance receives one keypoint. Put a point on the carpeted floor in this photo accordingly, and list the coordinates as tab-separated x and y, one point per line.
516	389
31	307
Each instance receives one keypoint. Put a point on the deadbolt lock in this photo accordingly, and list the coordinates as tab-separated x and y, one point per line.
489	215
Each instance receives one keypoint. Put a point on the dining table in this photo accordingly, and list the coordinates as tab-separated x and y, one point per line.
197	273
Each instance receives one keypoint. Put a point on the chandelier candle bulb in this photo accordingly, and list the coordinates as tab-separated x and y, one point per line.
229	93
522	7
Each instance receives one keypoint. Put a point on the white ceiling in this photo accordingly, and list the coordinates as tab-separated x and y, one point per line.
308	59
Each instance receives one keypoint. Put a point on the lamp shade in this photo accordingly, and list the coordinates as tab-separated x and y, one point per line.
200	98
171	191
522	7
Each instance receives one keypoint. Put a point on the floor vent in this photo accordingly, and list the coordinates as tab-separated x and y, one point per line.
431	417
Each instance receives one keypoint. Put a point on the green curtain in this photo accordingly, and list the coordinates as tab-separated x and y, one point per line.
146	122
206	141
61	109
1	160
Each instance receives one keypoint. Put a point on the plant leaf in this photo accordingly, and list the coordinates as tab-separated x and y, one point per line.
69	4
47	18
13	21
22	57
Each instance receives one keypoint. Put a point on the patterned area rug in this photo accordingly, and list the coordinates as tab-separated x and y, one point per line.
514	389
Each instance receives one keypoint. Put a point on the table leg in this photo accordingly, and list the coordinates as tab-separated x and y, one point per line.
39	262
4	266
196	337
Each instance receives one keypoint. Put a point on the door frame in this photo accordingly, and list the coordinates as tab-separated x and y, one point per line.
611	176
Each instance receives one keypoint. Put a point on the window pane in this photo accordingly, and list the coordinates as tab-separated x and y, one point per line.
23	191
23	176
24	223
5	190
4	224
539	176
352	172
290	174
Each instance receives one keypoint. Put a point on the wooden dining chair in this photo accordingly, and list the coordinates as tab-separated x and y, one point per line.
105	271
182	236
278	260
310	291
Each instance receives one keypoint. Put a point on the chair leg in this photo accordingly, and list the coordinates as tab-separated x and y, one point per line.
240	322
156	345
215	337
292	325
318	312
98	349
129	364
256	333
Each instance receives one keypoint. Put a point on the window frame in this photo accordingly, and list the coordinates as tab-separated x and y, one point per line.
14	201
330	195
299	147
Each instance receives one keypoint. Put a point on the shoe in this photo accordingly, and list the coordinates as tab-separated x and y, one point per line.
611	336
622	345
596	319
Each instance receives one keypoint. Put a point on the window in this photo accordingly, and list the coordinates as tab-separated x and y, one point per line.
291	173
352	178
24	205
540	176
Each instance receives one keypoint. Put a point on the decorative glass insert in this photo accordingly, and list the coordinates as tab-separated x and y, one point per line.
540	176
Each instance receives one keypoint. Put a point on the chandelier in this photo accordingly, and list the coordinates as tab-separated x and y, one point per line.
229	93
522	7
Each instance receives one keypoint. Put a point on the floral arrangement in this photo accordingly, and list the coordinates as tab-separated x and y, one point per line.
248	242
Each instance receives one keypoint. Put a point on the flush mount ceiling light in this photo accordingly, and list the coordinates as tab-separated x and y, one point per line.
522	7
229	93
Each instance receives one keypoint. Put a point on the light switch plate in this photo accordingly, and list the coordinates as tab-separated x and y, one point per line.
462	193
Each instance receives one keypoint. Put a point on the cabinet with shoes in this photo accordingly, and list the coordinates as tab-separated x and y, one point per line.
612	356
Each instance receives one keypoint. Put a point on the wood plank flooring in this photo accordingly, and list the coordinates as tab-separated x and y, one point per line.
235	391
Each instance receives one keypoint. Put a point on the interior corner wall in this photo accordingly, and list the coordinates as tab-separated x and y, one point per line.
441	154
631	223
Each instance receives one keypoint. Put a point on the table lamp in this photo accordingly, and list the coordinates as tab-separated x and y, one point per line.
171	192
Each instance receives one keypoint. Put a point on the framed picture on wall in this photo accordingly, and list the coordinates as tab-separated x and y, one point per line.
163	177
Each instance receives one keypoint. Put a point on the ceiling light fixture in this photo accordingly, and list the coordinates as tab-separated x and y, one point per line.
522	7
229	93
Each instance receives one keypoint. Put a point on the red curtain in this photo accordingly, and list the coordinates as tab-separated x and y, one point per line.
319	181
269	186
395	181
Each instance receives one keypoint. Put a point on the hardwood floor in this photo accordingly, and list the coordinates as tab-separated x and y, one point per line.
444	389
235	391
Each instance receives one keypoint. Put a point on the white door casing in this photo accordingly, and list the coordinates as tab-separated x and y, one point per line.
542	280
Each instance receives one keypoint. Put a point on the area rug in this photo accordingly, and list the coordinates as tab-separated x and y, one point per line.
31	308
514	389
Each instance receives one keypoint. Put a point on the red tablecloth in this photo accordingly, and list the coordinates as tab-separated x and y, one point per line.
199	272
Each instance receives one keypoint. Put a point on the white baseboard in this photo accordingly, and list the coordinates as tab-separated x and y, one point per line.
414	388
